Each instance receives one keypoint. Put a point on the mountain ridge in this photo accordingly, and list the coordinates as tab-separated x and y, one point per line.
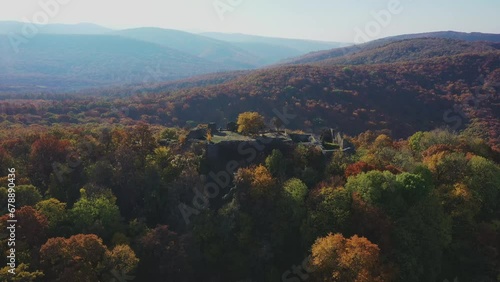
349	50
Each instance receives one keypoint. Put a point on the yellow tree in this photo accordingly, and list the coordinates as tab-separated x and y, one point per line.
258	180
250	123
355	259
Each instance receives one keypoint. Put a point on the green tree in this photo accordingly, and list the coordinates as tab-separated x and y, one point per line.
276	163
296	190
420	259
484	180
293	204
414	187
98	215
27	195
374	186
415	141
328	210
54	211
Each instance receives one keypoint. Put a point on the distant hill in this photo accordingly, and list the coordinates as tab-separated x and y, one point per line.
163	86
268	53
236	51
59	59
301	45
272	49
314	57
65	58
412	50
71	62
404	97
196	45
7	27
472	36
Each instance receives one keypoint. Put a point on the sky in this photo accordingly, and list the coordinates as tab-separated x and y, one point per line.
326	20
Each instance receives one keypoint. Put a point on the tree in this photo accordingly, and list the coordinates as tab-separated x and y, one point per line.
121	259
374	186
382	141
438	136
415	141
460	202
27	195
338	164
53	210
328	210
31	232
308	164
98	215
78	258
46	153
418	259
23	274
357	168
393	193
413	187
296	190
293	204
31	226
356	259
371	222
448	168
169	134
6	160
484	180
258	181
141	139
250	123
276	163
163	256
101	173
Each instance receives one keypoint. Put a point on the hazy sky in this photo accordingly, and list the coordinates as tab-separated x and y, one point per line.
332	20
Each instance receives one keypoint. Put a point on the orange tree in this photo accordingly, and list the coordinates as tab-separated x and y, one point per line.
355	259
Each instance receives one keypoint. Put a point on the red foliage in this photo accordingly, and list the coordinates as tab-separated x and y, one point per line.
357	168
74	259
370	222
393	169
31	226
46	152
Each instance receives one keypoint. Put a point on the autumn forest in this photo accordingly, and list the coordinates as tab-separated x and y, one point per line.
117	183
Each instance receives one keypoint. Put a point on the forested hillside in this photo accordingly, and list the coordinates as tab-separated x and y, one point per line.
406	97
396	48
412	50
